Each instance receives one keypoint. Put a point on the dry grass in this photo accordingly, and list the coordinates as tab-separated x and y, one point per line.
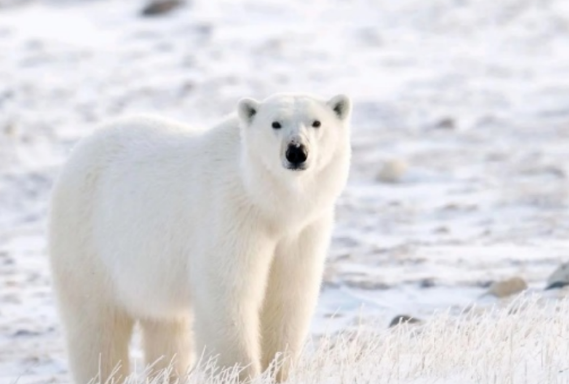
525	341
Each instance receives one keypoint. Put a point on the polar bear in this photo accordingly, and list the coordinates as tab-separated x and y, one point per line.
213	240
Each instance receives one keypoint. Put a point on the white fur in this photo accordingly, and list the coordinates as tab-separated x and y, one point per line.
156	222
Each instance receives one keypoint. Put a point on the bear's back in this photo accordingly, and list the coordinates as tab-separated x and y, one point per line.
150	159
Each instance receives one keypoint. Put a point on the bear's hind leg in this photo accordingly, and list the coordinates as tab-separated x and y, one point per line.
167	345
97	341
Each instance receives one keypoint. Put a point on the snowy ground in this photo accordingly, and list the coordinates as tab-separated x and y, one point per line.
472	96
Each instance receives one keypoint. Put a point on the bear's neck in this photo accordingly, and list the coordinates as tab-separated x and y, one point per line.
293	201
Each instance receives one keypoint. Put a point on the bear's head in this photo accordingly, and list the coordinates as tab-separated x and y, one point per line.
296	134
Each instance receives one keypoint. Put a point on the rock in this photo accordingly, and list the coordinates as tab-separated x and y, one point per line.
367	284
483	283
441	230
25	333
393	171
160	7
559	278
427	283
507	287
10	130
557	285
446	123
404	319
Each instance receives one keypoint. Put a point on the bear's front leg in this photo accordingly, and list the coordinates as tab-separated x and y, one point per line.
292	292
228	293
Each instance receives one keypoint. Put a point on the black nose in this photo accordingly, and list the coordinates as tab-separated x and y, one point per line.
296	154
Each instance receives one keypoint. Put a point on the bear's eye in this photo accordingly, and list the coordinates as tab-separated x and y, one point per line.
276	125
316	124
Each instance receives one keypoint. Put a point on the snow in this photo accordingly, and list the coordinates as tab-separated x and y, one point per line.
472	95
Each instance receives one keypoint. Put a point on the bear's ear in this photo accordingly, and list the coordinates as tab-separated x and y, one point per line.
341	105
247	109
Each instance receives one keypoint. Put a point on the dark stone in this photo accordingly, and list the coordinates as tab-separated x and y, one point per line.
427	283
446	123
160	7
557	284
403	319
